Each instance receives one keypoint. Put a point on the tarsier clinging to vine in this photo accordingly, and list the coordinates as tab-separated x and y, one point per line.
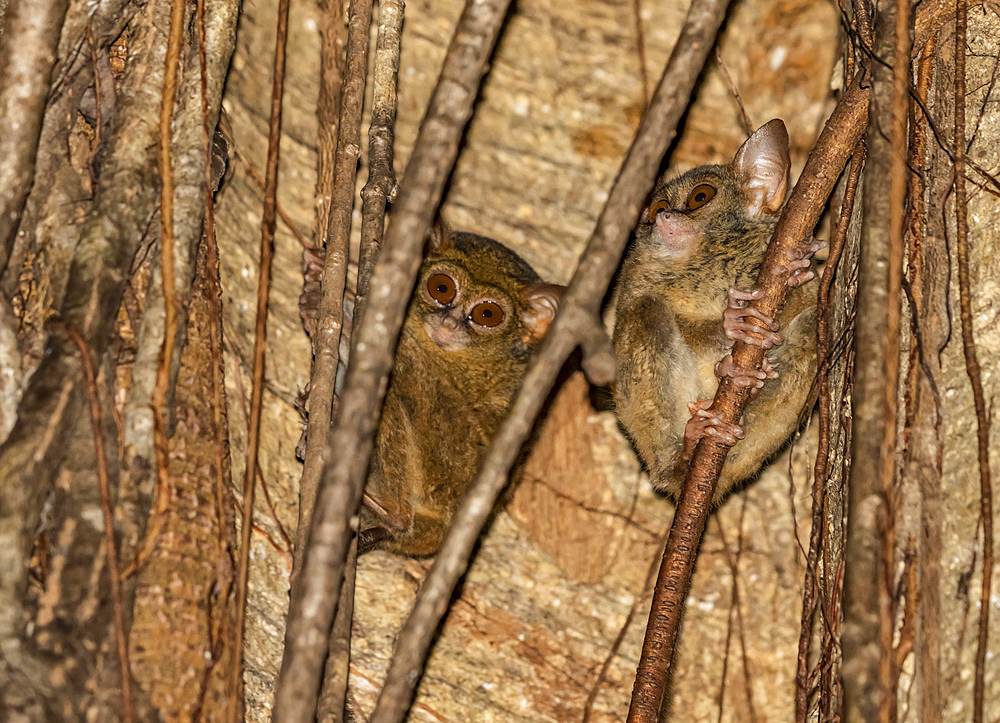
680	310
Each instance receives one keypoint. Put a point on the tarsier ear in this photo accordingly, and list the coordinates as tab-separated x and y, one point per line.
440	237
541	302
762	167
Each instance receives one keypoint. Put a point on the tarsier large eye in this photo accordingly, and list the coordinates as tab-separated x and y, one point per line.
700	195
487	313
656	208
442	288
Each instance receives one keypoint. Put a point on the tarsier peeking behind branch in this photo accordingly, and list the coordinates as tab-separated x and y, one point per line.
680	311
477	313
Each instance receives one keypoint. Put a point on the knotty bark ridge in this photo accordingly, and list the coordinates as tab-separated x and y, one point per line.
118	217
317	589
579	309
799	218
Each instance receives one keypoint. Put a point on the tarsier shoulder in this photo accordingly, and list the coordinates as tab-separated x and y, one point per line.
685	287
475	316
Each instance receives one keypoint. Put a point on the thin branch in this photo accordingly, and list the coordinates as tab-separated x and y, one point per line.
640	46
316	590
899	177
579	307
333	694
108	514
972	362
167	273
326	339
931	328
219	632
381	185
267	225
748	126
27	55
828	157
640	598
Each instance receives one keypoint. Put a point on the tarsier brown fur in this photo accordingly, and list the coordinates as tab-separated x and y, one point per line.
477	313
680	310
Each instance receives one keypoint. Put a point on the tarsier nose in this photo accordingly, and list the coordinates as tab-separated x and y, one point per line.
450	322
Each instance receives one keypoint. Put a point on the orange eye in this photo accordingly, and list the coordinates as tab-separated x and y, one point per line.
487	313
442	288
700	195
656	208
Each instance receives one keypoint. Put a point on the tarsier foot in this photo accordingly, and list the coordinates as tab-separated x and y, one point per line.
749	325
744	377
705	423
799	260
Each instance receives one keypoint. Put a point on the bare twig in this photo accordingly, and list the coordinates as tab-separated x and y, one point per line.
821	468
220	632
333	36
317	589
640	598
333	695
640	46
381	185
579	307
834	146
744	116
267	224
108	514
924	451
972	362
899	177
167	272
326	340
27	54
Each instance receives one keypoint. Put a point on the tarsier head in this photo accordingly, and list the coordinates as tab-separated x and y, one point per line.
710	203
473	292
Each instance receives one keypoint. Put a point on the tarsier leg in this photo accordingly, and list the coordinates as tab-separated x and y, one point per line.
706	423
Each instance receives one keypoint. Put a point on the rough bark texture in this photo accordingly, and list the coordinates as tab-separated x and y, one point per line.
557	113
555	593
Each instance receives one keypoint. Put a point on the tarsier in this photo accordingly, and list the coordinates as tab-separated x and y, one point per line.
681	309
477	313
